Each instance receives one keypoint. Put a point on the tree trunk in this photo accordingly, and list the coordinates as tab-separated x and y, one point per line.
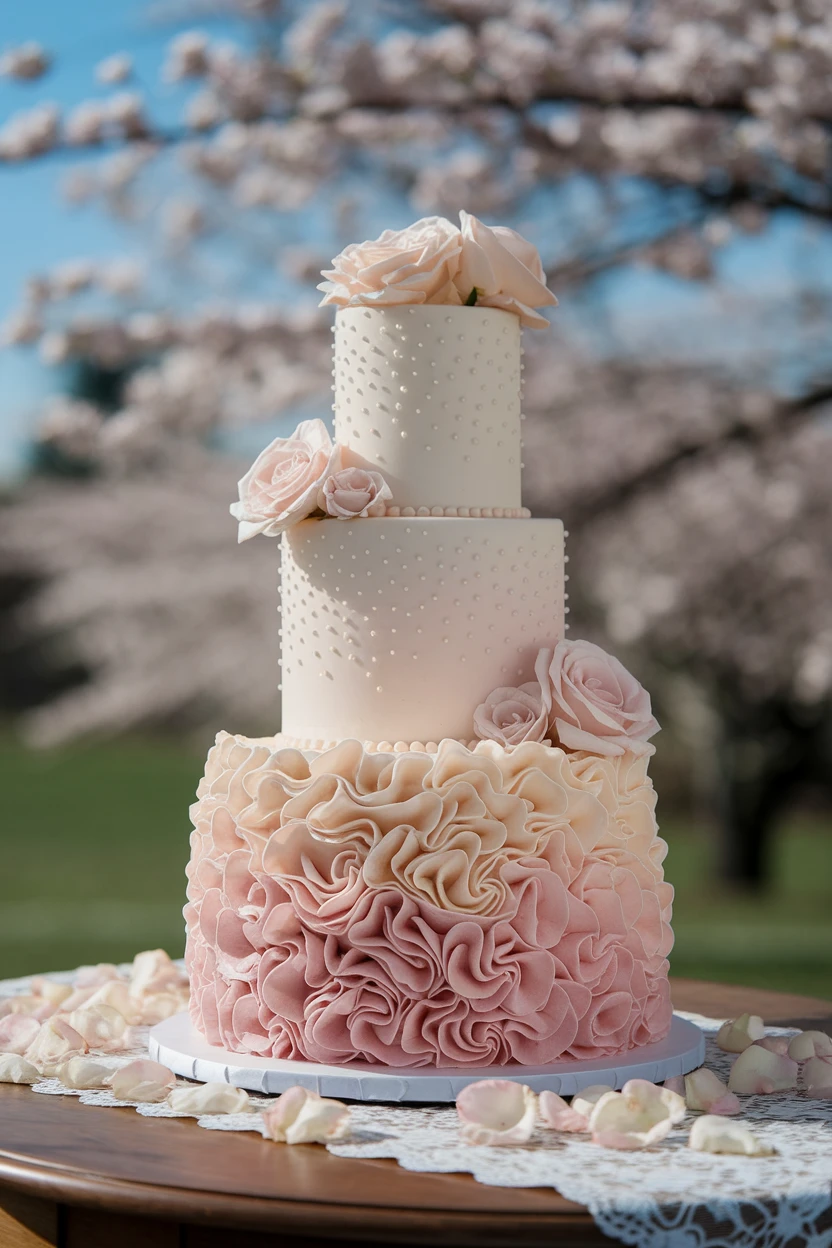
767	750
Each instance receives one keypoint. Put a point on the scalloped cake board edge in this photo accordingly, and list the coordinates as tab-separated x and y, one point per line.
178	1045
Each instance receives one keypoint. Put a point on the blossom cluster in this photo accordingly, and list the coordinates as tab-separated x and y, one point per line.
471	907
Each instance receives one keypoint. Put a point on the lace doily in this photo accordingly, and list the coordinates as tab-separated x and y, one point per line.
666	1197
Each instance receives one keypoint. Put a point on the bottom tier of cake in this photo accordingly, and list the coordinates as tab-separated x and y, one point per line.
463	907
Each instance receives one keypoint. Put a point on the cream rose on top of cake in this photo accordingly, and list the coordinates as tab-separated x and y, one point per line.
501	269
433	261
415	265
281	486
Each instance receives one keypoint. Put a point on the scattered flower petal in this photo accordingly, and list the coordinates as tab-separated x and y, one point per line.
115	995
16	1069
588	1098
94	976
810	1044
676	1083
774	1044
17	1031
85	1072
142	1080
713	1134
496	1111
50	990
559	1116
758	1070
302	1117
160	1005
100	1026
153	971
209	1098
706	1093
55	1042
735	1035
28	1003
638	1116
817	1076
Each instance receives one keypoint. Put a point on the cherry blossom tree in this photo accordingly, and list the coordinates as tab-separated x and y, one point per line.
621	135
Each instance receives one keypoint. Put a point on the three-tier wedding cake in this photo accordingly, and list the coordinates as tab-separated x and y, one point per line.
449	855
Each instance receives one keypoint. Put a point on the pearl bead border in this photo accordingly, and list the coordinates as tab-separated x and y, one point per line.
286	742
391	510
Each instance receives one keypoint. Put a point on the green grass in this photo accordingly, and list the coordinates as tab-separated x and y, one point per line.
94	841
93	847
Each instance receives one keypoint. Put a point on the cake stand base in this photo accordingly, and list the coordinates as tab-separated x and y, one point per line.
178	1045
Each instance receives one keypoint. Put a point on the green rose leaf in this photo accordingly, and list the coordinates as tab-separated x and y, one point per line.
472	298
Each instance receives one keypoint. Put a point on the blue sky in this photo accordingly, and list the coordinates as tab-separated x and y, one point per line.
37	228
751	311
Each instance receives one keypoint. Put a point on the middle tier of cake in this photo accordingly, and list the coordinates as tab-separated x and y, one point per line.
396	629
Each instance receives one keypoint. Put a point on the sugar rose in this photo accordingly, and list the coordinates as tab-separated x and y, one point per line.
510	716
282	485
597	705
411	266
351	492
504	270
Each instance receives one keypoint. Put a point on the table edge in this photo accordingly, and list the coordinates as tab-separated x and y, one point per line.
78	1187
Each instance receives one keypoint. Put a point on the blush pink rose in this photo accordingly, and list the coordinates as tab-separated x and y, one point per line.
511	716
282	485
505	271
415	265
597	705
351	492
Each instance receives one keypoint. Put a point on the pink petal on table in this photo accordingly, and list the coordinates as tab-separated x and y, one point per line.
676	1083
81	1073
100	1026
50	990
706	1093
153	972
735	1035
15	1069
17	1031
817	1076
94	976
775	1044
757	1070
299	1116
55	1042
585	1101
496	1111
78	997
638	1116
558	1115
810	1044
143	1081
711	1134
209	1098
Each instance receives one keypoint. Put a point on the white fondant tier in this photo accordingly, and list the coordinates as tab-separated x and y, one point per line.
396	629
430	398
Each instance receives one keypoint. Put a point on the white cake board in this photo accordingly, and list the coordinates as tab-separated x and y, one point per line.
178	1045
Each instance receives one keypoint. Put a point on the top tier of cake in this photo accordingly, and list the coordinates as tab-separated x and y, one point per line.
429	396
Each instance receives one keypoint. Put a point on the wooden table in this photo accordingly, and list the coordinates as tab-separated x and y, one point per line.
74	1176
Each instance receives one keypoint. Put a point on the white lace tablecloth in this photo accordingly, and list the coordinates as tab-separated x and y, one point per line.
665	1197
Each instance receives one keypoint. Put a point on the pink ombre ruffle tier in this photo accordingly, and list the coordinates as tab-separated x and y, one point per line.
471	907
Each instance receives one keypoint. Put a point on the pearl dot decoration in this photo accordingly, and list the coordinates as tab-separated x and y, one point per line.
429	578
426	437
